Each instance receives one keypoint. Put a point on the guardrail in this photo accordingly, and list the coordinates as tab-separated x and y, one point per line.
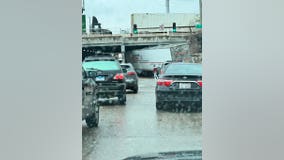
134	39
136	35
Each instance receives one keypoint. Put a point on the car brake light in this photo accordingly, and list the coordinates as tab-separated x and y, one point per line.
119	76
199	83
130	73
162	82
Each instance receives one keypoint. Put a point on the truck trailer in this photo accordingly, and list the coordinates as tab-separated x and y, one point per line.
146	59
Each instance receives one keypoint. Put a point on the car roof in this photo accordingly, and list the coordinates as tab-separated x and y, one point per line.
126	64
185	63
99	57
196	69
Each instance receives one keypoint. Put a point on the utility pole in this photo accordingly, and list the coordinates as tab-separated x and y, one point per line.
167	6
83	6
83	18
200	10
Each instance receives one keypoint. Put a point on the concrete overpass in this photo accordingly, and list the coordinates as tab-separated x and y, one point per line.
134	39
126	42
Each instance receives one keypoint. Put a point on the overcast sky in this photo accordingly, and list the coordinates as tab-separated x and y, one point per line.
115	14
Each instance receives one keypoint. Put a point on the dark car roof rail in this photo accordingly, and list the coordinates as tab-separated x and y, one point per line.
103	55
99	57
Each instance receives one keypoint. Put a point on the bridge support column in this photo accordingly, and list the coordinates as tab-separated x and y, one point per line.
122	49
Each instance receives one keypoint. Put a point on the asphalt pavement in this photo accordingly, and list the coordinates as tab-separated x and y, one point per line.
137	128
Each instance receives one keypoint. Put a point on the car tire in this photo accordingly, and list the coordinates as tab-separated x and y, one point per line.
97	114
122	99
199	107
92	121
159	106
135	89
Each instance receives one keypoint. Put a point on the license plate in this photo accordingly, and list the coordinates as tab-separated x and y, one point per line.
185	85
100	78
129	80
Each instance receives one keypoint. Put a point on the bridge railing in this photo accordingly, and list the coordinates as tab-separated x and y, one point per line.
134	35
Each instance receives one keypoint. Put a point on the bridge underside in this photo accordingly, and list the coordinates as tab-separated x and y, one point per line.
91	50
122	44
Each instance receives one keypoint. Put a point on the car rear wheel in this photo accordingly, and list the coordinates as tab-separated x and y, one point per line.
159	106
122	99
199	107
93	121
135	89
97	113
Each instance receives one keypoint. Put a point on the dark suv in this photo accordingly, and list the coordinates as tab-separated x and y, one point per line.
107	73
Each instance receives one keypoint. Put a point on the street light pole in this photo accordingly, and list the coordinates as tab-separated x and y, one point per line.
83	6
168	6
200	10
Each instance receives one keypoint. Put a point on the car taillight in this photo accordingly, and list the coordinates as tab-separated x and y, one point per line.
199	83
119	76
130	73
162	82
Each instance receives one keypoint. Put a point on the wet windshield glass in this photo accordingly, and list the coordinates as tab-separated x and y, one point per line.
146	64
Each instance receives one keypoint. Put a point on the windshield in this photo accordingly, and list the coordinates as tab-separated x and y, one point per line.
184	69
101	65
149	81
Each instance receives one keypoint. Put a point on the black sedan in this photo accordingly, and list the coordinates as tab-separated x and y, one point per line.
180	86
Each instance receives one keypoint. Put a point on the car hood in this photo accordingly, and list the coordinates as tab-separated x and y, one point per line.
173	155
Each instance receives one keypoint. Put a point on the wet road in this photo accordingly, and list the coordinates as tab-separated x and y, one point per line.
137	128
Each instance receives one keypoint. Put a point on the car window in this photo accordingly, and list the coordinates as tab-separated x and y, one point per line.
194	69
128	68
102	65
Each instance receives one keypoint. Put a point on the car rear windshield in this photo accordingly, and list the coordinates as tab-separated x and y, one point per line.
184	69
127	67
102	65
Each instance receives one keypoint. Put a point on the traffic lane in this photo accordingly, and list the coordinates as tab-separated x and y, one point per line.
138	128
